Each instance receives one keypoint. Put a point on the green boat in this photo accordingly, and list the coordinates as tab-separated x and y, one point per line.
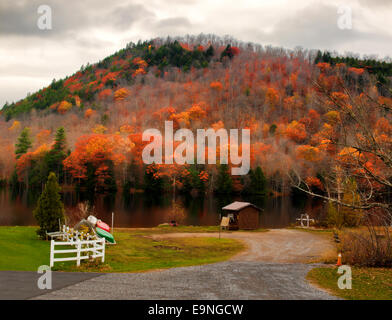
104	234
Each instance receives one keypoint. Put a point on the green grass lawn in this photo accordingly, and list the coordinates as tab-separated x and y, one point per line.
367	283
20	249
135	250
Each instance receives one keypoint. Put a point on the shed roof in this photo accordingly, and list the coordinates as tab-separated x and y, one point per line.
237	205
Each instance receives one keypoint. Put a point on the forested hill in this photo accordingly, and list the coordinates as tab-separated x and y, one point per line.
381	69
113	72
297	104
121	69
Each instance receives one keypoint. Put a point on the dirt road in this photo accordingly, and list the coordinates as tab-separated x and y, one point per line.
274	246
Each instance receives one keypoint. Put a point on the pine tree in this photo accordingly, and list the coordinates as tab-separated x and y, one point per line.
60	142
224	183
24	143
50	208
210	52
258	182
58	152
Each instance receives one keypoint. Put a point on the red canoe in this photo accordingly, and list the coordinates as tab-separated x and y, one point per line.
103	226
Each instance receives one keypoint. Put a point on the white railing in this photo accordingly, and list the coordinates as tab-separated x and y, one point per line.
96	247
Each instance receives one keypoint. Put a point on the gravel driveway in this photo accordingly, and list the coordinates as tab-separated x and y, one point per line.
272	267
227	280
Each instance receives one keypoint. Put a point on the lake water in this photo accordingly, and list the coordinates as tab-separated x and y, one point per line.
139	210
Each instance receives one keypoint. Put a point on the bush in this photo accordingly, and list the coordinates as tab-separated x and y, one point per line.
371	247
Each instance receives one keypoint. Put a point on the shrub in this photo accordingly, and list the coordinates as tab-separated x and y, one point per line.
339	217
371	247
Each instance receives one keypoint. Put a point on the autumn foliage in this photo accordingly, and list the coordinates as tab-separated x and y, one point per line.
199	84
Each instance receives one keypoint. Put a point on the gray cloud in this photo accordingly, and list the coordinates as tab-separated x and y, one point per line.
89	30
19	18
316	27
176	23
375	3
124	17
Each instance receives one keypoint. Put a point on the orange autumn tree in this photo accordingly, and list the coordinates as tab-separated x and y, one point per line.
121	94
314	183
99	129
296	131
216	85
92	162
15	126
272	96
185	118
26	161
63	107
43	136
105	94
137	146
308	153
88	113
185	178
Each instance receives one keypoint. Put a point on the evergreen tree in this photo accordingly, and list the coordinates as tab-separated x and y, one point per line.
227	53
58	153
224	182
38	172
49	208
24	143
60	142
210	52
258	182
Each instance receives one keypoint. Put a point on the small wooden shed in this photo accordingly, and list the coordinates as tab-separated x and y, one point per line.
242	215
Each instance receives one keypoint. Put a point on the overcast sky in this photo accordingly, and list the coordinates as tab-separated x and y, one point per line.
89	30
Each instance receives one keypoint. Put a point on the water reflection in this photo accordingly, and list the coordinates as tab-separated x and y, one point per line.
141	210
